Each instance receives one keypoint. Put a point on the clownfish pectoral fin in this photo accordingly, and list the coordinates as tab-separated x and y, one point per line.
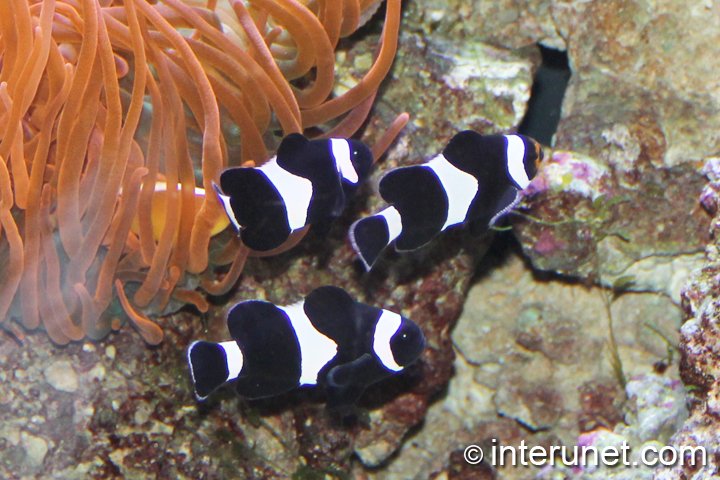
225	200
509	200
370	235
341	391
346	382
506	203
213	364
342	400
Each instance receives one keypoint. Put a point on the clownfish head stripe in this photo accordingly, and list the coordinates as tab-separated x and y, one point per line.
387	325
341	152
516	161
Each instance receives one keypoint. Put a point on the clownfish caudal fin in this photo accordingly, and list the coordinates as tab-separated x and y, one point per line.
370	235
213	364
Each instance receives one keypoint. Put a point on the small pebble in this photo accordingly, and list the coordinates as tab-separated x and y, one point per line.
110	352
142	415
62	376
363	62
96	373
35	447
37	419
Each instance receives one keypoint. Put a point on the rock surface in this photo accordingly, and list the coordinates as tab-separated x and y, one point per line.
533	366
619	196
699	366
130	411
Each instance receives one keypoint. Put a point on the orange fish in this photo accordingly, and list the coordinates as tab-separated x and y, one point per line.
159	207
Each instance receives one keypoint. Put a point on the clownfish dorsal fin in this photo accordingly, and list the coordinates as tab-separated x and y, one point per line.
332	312
290	146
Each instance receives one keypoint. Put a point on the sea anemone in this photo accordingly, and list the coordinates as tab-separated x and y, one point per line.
98	103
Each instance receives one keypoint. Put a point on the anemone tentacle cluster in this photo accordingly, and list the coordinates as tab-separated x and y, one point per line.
96	101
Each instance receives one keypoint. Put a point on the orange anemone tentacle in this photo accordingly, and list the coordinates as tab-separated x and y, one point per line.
29	291
78	141
380	68
149	330
353	120
223	286
211	156
264	57
390	134
146	236
350	17
192	296
13	275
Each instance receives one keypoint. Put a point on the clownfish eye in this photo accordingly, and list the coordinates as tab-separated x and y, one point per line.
407	344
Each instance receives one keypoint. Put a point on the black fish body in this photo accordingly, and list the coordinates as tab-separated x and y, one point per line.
475	180
307	182
328	339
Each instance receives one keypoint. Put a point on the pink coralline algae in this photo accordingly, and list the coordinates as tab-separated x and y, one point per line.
546	242
573	172
710	196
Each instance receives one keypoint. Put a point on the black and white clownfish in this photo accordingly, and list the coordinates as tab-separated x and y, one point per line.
328	339
475	180
307	182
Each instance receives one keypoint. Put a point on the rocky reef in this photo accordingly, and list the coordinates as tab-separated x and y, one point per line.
625	199
128	410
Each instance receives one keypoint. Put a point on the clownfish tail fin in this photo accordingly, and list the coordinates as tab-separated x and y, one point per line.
369	236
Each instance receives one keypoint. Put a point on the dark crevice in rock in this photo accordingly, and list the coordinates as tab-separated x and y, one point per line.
545	105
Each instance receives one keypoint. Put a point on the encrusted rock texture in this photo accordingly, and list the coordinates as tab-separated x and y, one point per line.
699	367
618	195
624	195
120	409
533	367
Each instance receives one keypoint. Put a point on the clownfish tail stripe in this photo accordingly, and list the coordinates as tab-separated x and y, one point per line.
371	235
